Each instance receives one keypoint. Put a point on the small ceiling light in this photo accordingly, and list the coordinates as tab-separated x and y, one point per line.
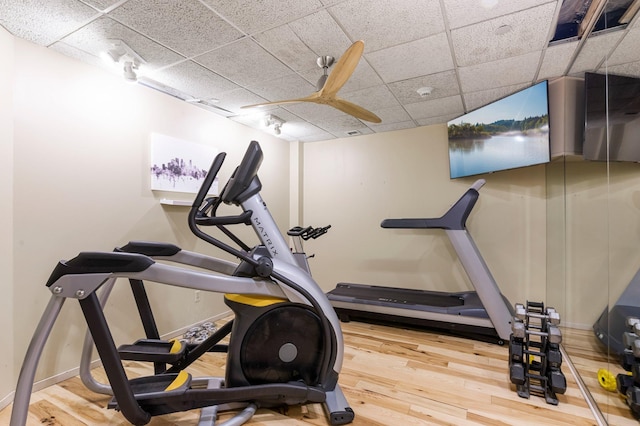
503	29
272	120
424	91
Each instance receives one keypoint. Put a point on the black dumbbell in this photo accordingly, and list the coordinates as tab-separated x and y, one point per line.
557	381
516	373
627	360
633	399
623	382
516	350
554	356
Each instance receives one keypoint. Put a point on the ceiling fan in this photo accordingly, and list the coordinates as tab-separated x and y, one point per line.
328	85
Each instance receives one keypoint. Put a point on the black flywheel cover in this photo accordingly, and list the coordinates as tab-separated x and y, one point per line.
283	345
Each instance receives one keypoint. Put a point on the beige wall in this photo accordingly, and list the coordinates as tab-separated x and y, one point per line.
6	213
354	183
78	143
80	169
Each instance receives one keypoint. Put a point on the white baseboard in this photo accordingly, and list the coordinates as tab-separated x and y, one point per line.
7	400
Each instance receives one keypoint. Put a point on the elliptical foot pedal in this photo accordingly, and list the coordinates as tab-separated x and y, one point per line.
153	350
150	387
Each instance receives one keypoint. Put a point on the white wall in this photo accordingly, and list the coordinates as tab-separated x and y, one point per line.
355	183
6	213
80	182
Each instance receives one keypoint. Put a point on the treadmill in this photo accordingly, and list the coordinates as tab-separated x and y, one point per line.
484	314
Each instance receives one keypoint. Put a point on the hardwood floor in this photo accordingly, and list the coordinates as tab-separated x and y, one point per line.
390	377
588	356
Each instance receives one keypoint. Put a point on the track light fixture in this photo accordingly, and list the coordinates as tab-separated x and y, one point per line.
120	53
272	120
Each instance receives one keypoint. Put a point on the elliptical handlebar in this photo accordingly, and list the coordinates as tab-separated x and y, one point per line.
208	181
243	184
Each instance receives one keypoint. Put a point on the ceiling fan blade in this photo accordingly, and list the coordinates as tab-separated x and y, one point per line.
343	69
353	109
311	98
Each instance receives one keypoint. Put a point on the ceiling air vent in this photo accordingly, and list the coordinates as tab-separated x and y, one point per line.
353	133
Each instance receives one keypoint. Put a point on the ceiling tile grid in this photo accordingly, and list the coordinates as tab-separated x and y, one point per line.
222	55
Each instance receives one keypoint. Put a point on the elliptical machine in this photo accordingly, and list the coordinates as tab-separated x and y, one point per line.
286	344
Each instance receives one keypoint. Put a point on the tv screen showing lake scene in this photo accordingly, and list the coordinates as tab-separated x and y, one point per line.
506	134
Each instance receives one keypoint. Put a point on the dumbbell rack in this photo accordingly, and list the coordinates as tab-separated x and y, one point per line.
629	385
534	352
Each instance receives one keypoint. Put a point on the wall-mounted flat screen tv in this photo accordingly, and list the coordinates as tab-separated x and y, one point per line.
612	118
506	134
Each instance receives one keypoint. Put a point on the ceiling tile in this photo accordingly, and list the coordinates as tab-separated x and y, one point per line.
285	44
363	77
556	59
444	84
479	43
631	69
339	126
193	80
594	51
313	112
504	72
101	4
628	50
429	56
322	34
437	120
389	115
98	36
300	129
461	13
255	16
237	62
475	100
378	97
390	127
186	26
436	107
384	23
233	100
289	87
44	22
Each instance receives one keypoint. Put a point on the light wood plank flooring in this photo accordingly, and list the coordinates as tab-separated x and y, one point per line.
390	377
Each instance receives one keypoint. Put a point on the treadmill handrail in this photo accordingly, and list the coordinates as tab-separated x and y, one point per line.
454	219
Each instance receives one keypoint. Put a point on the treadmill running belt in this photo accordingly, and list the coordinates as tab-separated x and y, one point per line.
397	295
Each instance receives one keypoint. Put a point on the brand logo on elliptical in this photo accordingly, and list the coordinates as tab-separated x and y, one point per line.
265	236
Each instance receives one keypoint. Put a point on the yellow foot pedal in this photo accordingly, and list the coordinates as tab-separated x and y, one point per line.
180	381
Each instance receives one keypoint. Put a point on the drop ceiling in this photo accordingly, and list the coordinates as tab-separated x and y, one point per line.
223	54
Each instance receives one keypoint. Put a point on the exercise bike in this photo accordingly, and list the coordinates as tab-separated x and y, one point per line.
285	343
299	234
